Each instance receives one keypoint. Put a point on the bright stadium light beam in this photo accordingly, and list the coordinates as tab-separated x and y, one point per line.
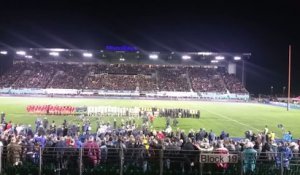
219	58
153	56
214	61
58	50
3	52
86	54
186	57
55	54
237	58
204	53
21	52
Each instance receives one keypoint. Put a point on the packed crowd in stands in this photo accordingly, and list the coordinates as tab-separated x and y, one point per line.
171	79
233	84
21	142
67	76
124	77
206	80
11	76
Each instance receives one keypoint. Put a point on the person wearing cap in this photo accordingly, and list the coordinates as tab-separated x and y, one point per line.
249	156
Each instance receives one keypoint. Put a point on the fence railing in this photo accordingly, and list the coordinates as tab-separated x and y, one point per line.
112	161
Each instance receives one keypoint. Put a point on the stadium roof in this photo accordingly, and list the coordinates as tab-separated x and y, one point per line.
123	54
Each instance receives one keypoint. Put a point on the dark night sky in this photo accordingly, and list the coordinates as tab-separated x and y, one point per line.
264	29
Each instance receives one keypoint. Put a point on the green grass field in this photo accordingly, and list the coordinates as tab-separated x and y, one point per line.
234	118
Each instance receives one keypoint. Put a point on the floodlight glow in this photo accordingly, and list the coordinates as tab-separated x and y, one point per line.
214	61
58	50
153	56
87	54
28	56
219	58
3	52
122	59
204	53
55	54
21	52
186	57
237	58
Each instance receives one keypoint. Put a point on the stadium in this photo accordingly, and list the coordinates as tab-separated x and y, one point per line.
140	112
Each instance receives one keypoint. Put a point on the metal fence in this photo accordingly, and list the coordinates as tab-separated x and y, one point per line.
67	161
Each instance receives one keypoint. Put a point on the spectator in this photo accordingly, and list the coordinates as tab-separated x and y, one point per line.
249	158
14	151
91	153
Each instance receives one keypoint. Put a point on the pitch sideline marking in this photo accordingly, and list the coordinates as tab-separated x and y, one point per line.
228	118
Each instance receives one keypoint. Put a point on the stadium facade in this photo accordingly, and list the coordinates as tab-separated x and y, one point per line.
123	71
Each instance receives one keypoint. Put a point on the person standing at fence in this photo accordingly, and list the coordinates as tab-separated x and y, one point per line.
91	153
222	151
14	151
284	156
249	156
189	156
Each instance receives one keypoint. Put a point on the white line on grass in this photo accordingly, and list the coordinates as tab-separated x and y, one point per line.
228	118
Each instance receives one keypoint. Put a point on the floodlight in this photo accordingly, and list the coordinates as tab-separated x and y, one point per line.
219	58
204	53
237	58
3	52
122	59
55	54
21	52
186	57
57	50
28	56
86	54
214	61
153	56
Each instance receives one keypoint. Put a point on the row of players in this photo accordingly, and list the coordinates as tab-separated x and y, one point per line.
51	109
114	111
141	112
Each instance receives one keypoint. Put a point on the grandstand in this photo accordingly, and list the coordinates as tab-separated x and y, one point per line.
113	136
126	73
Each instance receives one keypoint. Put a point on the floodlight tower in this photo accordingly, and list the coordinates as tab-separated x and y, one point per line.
289	78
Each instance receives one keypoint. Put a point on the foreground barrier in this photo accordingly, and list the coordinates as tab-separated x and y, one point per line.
112	161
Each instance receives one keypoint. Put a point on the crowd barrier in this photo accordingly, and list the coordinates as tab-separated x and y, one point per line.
282	104
159	94
67	161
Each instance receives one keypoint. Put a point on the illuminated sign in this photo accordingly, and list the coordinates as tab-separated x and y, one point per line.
121	48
